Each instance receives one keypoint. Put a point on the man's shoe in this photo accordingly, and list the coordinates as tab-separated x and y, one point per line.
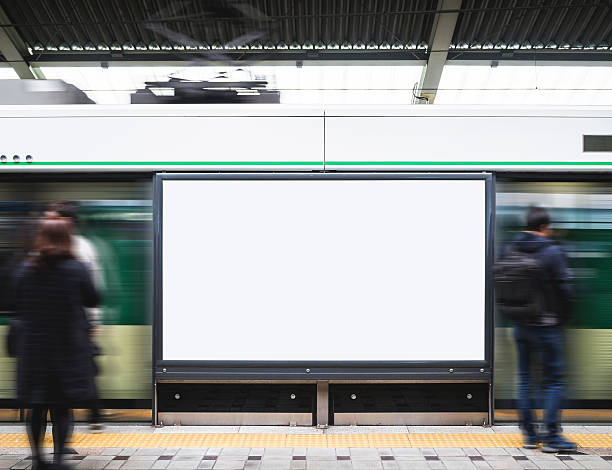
531	442
558	444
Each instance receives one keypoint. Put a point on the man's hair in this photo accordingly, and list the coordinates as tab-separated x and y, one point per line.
536	217
66	209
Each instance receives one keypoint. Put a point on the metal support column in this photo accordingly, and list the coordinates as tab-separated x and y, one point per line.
322	404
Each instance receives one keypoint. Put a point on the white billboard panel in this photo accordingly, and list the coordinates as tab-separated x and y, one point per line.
323	269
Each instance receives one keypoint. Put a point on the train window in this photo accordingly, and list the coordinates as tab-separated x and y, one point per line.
597	143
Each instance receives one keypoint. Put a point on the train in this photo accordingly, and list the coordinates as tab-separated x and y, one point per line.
104	159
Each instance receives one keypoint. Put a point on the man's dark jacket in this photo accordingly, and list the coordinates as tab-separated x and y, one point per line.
556	284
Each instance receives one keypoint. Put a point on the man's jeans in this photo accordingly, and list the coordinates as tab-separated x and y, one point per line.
548	341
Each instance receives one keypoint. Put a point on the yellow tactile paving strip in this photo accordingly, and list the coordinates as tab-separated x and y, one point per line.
141	440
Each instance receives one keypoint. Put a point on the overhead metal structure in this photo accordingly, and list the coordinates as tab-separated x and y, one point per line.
53	32
440	40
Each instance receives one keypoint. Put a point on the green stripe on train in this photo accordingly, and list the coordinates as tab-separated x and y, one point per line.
309	163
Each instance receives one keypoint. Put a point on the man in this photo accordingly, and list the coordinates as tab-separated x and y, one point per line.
538	330
84	251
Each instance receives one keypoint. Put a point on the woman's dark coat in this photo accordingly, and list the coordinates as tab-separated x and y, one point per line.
54	356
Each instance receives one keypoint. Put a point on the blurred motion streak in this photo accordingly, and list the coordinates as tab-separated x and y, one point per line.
581	216
116	218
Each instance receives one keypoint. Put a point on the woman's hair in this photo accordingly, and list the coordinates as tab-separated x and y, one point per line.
54	240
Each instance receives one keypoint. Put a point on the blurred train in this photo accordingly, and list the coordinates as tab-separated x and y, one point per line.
115	211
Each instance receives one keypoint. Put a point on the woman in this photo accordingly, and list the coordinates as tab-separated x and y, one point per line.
54	357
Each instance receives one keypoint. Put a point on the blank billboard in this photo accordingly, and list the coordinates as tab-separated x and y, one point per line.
323	269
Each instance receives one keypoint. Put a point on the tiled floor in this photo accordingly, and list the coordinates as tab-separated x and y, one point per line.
318	458
423	448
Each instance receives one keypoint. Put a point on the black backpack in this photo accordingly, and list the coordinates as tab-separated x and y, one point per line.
519	290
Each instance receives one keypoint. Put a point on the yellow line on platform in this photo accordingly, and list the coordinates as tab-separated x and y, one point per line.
301	440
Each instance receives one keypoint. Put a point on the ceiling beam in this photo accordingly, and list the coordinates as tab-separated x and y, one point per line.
14	49
439	42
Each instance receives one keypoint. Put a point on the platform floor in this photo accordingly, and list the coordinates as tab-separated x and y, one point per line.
139	446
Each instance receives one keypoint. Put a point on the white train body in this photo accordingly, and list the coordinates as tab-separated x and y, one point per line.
69	138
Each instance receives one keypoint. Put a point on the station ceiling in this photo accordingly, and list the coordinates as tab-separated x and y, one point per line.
268	30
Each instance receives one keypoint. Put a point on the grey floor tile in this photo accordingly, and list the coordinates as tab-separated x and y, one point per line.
459	465
574	464
275	464
406	451
366	430
510	429
514	451
321	465
189	451
413	465
112	451
449	451
149	451
381	451
91	464
481	465
367	464
8	463
206	464
236	451
487	451
128	451
437	465
184	464
504	464
22	465
550	464
227	464
297	465
390	465
138	464
99	457
322	453
428	451
160	464
449	430
114	464
143	458
279	452
364	453
592	462
253	465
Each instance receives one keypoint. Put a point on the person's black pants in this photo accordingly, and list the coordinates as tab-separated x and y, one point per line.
37	428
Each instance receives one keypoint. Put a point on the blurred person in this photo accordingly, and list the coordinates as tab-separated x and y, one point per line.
84	251
534	292
54	357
